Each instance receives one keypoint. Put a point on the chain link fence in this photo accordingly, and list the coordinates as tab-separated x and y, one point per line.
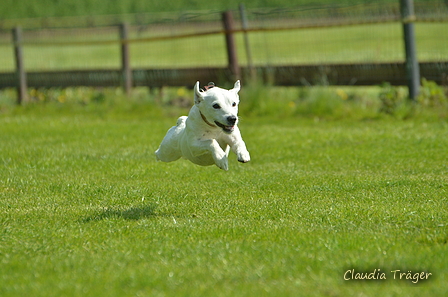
300	36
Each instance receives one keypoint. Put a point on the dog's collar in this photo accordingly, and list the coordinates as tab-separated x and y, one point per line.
207	87
205	120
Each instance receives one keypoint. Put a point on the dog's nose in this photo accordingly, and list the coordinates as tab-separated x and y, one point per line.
231	120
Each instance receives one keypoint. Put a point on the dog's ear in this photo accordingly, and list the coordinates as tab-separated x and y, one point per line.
197	94
236	87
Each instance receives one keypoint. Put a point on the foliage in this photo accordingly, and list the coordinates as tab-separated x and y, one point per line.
433	95
391	99
431	98
257	100
329	102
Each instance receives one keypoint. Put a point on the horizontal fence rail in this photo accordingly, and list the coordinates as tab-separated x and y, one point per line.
282	75
228	25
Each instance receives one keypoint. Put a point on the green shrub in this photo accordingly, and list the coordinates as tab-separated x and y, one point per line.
432	95
257	100
390	98
265	100
319	102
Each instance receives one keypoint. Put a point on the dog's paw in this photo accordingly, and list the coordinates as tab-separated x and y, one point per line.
244	157
223	163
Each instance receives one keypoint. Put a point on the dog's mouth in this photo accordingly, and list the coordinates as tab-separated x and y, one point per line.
226	129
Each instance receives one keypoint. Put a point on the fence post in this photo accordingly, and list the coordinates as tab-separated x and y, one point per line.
232	58
20	67
412	67
125	58
246	41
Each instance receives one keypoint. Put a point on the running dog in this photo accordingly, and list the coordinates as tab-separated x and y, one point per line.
209	132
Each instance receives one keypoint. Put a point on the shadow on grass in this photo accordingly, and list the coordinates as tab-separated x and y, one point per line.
132	213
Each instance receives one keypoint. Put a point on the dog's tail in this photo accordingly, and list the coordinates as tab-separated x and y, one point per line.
181	120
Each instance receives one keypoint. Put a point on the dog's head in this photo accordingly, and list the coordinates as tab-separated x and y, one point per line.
218	106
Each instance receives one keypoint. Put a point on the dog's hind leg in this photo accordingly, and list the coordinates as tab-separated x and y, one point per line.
169	150
167	153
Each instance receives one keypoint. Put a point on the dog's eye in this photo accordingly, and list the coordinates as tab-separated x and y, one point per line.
216	106
234	104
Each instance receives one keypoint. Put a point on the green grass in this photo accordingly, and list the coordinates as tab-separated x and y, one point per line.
87	211
353	44
51	8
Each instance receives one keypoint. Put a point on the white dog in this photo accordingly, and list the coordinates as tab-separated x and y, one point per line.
204	137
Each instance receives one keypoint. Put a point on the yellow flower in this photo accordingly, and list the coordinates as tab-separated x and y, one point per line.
341	93
181	92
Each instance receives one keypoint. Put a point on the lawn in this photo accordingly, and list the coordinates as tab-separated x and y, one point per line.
51	8
353	44
87	211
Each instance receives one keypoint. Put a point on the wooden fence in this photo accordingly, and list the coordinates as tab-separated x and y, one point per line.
283	75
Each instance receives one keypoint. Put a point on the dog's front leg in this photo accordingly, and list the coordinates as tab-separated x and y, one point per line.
238	146
219	156
241	151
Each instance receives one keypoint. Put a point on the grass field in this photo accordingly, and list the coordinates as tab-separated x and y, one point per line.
353	44
50	8
87	211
